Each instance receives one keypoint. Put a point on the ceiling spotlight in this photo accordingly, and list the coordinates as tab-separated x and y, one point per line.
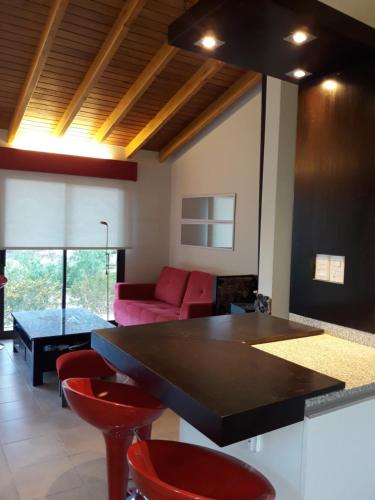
298	73
330	85
209	42
299	37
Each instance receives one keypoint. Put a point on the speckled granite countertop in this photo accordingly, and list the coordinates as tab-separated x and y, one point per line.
347	361
353	363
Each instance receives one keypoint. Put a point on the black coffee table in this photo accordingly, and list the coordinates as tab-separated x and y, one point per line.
43	335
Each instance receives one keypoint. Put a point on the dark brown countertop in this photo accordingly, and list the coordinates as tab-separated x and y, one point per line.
207	372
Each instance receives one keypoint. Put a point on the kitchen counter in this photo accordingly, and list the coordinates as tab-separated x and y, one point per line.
348	361
209	373
232	378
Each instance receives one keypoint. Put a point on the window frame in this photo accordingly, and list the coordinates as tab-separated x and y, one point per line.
185	221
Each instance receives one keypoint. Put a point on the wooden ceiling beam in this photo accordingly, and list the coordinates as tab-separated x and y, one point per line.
128	14
230	96
137	89
53	21
182	96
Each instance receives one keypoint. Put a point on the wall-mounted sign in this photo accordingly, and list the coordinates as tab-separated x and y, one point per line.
330	268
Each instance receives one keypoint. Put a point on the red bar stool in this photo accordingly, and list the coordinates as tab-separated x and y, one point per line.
118	410
82	363
168	470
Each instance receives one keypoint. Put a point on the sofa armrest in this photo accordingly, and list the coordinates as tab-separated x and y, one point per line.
191	310
134	291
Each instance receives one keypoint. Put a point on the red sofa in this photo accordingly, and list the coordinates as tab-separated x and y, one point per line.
178	294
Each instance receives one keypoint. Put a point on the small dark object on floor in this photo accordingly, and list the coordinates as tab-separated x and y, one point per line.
263	303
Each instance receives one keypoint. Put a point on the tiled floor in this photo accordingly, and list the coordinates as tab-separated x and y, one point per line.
47	451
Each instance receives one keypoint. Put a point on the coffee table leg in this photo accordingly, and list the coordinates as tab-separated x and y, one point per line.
15	338
37	363
15	345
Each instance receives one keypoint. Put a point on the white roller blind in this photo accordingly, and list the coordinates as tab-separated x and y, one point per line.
56	211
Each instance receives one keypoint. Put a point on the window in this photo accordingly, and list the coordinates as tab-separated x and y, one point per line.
34	281
86	282
47	279
52	225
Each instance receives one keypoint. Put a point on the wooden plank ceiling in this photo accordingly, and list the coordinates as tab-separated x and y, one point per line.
135	60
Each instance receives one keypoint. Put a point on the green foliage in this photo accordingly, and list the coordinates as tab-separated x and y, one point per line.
35	280
86	280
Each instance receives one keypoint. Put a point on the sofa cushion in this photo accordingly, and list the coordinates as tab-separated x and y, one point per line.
140	312
199	287
171	285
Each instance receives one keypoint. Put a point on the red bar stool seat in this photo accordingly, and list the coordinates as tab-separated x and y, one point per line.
117	410
83	363
169	470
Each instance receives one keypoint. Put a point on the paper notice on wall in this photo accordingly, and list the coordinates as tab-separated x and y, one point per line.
330	268
337	269
322	267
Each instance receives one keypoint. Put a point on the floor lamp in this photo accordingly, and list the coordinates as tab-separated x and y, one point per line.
3	282
104	223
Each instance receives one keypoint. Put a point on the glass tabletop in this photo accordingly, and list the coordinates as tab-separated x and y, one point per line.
56	322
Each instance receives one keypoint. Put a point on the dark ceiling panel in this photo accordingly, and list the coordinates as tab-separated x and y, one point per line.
254	32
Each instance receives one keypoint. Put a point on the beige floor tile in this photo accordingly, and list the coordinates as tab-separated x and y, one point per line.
8	489
20	429
91	467
8	369
47	402
19	409
97	491
12	380
9	492
32	451
95	461
63	419
167	426
17	393
81	439
5	473
76	494
57	475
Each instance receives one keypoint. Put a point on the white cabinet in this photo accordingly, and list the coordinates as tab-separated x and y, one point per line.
328	456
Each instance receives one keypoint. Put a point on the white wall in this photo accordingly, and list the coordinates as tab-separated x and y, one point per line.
363	10
150	210
150	219
224	159
278	194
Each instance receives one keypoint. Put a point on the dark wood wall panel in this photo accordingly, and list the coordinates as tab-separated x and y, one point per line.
334	211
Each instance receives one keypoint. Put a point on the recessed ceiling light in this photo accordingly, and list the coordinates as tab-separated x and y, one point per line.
299	37
330	85
298	73
209	42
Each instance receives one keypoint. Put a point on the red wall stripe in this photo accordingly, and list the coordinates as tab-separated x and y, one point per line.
35	161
